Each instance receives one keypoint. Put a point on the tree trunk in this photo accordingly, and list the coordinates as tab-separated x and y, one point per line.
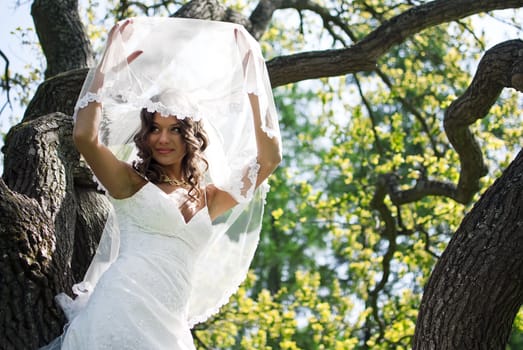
41	216
476	288
57	94
62	35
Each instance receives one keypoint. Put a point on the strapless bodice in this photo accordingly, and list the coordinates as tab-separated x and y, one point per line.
152	211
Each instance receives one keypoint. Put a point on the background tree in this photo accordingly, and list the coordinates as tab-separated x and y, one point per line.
366	201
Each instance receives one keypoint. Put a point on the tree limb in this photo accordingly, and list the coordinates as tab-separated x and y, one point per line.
479	278
5	85
500	68
497	70
363	55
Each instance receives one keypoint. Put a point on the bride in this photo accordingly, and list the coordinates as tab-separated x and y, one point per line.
178	124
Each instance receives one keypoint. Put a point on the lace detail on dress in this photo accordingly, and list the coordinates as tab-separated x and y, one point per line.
88	98
99	186
168	102
270	132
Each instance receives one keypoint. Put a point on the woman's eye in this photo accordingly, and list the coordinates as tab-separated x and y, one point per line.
154	129
176	130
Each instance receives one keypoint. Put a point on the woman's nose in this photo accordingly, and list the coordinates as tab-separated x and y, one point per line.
164	137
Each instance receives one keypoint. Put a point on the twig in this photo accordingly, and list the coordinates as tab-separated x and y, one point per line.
6	85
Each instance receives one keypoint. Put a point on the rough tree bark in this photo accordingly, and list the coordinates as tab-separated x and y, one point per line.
50	212
476	288
44	207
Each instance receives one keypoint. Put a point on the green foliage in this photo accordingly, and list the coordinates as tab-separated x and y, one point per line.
330	272
516	339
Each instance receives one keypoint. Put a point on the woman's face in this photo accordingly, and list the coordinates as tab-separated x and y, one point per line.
166	141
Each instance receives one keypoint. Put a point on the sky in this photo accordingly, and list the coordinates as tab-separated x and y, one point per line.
14	16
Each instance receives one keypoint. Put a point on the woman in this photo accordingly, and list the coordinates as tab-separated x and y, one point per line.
187	208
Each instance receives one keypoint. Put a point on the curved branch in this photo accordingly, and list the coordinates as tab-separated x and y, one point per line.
495	72
364	55
500	67
262	15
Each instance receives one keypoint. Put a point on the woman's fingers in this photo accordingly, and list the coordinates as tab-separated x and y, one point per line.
125	24
111	59
133	56
126	29
113	29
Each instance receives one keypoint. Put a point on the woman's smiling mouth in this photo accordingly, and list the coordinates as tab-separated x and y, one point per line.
164	150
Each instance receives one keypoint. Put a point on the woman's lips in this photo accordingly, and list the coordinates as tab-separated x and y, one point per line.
163	150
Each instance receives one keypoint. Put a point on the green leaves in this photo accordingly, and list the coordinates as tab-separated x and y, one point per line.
333	273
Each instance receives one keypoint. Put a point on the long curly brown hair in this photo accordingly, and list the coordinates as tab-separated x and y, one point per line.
194	163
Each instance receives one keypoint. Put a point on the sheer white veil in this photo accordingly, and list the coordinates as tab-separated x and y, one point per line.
192	69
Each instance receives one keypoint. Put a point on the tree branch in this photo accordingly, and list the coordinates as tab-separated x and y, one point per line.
499	68
478	279
364	55
211	10
261	16
6	82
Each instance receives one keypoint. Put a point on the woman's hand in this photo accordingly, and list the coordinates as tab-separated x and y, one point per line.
107	63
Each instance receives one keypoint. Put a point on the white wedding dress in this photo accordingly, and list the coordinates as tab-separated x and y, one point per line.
154	276
141	301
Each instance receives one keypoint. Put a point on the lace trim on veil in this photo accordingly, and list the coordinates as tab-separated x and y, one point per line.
88	97
135	101
85	100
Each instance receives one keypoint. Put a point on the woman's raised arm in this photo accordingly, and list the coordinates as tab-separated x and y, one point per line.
268	158
117	177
